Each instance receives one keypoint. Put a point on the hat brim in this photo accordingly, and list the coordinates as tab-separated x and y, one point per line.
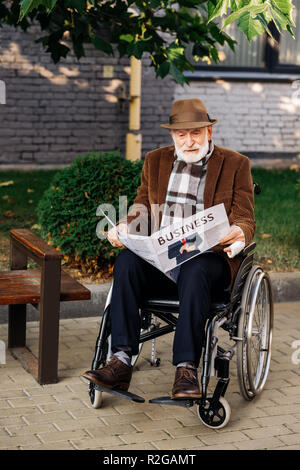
189	125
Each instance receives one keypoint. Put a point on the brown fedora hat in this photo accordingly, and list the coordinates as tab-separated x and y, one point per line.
188	114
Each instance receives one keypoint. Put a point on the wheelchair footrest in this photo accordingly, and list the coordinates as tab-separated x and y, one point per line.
185	402
121	394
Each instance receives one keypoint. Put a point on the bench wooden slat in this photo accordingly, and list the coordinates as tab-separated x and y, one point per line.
21	286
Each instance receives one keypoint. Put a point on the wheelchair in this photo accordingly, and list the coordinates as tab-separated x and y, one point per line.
245	312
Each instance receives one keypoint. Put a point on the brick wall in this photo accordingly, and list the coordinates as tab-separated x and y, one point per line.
54	112
157	99
253	116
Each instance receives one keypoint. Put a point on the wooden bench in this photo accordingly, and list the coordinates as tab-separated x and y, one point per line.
44	288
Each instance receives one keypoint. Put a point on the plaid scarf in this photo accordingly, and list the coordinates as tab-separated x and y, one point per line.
181	198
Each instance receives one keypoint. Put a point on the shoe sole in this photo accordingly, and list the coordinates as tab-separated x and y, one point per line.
120	386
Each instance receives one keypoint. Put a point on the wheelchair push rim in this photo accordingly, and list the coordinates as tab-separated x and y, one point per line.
255	333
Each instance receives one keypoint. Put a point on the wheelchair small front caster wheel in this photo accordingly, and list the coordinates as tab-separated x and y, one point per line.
96	398
214	418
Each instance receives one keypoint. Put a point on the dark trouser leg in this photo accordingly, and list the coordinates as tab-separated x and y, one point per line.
134	281
199	278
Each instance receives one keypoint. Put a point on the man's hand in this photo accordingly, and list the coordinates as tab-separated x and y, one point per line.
235	234
112	235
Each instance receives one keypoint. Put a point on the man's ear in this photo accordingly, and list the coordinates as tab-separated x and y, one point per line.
209	132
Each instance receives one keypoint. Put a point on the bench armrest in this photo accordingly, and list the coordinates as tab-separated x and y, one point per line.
33	245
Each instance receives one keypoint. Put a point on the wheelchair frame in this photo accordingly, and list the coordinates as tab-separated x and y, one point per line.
235	313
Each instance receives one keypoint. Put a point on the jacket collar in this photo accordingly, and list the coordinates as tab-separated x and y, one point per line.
213	169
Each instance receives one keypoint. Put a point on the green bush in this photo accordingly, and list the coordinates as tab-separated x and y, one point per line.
67	210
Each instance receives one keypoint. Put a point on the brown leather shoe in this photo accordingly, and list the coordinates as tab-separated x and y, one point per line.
115	374
186	383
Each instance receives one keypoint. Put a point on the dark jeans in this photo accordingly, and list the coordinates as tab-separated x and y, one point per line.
200	280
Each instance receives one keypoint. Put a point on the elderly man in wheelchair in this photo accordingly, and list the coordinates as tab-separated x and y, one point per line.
217	288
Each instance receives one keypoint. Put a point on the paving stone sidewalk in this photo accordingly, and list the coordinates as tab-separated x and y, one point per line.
60	416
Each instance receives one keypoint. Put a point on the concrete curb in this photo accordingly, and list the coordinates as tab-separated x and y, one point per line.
286	288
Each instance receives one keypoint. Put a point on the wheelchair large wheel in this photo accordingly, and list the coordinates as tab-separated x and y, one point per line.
255	327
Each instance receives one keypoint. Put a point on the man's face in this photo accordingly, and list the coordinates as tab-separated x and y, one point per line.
191	144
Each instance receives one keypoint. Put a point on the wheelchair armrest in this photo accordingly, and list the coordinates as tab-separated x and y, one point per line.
248	249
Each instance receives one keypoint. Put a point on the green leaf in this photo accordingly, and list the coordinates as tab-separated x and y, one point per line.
176	74
285	7
60	50
251	26
137	48
237	4
102	45
265	22
122	48
219	9
214	54
175	52
127	37
26	6
281	20
290	31
248	9
200	50
163	69
221	37
78	48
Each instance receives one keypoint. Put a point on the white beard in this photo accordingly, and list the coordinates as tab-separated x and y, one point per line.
195	156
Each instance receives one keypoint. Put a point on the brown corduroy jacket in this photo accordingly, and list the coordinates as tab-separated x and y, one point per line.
228	180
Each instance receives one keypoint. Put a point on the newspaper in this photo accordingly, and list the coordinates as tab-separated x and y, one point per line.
175	244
